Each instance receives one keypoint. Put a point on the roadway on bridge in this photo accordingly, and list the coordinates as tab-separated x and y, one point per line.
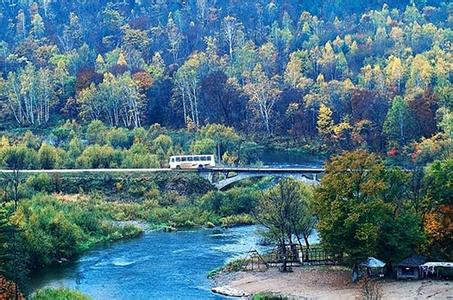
261	169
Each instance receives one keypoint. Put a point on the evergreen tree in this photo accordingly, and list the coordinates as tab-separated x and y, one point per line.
399	123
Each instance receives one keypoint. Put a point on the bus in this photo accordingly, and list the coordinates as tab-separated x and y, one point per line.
192	161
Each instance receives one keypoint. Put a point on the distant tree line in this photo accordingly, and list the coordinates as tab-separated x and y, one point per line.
345	74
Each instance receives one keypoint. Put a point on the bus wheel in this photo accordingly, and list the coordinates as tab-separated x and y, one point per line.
200	167
178	167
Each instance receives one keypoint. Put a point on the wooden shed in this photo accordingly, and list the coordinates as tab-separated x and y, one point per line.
410	268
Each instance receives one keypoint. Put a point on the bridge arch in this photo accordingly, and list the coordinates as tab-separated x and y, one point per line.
307	178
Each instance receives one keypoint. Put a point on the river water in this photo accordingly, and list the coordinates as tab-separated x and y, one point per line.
158	265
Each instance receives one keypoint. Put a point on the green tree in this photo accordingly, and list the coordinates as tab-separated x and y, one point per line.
96	156
138	156
358	217
48	156
13	256
163	147
96	132
225	137
284	211
203	146
399	123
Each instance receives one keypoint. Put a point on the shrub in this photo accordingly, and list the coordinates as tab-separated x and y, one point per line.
96	156
48	156
53	229
58	294
40	182
96	132
118	138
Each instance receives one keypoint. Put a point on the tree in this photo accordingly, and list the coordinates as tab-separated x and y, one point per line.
31	95
96	156
439	208
163	147
72	33
224	137
325	123
358	217
96	132
284	211
16	159
48	156
399	122
116	100
38	28
263	93
203	146
187	81
294	73
174	38
231	26
13	256
394	72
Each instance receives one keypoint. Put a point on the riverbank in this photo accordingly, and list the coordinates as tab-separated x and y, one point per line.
325	283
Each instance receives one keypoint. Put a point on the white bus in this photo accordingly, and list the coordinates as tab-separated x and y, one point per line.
191	161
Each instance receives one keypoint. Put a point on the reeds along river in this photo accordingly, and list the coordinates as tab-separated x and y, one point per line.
158	265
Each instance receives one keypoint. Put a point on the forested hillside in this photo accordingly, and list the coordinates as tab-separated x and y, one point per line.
345	74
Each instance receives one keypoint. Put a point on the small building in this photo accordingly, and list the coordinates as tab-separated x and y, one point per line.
371	267
410	268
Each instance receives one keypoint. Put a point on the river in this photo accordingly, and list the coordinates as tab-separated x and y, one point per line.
158	265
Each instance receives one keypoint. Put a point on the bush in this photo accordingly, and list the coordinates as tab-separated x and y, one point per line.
96	132
40	182
96	156
118	138
48	156
58	294
54	229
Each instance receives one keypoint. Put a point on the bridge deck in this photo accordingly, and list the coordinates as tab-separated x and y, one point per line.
206	170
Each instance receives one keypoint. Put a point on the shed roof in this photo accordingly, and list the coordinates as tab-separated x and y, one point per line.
413	261
372	262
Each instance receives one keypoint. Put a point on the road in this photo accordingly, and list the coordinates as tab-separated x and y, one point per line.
156	170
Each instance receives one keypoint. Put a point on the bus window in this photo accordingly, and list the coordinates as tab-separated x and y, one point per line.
183	158
190	158
178	159
172	159
203	158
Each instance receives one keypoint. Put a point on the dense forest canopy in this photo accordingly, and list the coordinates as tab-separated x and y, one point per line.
374	74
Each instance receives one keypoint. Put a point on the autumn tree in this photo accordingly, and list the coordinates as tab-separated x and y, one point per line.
31	95
263	93
117	101
325	123
356	217
187	81
439	201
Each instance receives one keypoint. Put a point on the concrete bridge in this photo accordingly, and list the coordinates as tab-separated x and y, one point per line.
223	177
220	177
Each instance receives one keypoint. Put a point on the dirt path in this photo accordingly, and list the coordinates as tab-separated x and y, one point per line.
328	283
